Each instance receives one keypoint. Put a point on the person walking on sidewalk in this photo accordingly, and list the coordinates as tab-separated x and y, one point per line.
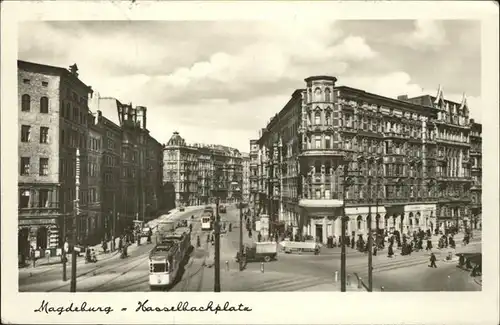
104	246
433	261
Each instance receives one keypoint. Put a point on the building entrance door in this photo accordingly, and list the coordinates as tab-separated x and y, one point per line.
319	233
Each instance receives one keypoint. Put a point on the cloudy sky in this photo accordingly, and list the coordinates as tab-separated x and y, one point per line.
220	82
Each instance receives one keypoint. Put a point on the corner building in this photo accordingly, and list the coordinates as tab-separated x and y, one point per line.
407	162
54	120
194	174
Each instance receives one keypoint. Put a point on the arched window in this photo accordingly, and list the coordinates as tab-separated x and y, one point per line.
328	118
327	95
328	143
359	221
25	103
44	105
317	118
317	94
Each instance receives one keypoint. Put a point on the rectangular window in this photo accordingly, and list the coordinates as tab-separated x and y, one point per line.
45	83
25	165
317	142
318	194
44	166
44	134
43	199
26	81
327	194
25	133
24	198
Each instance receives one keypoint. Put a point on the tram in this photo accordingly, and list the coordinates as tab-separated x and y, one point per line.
166	258
206	222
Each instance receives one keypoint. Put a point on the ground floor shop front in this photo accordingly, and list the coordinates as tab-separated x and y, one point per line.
41	232
320	219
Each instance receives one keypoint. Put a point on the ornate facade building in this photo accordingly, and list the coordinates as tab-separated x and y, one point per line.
254	175
476	172
195	174
405	162
246	177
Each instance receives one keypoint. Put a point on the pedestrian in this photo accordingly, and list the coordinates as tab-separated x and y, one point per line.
433	260
352	242
104	246
390	251
259	237
150	233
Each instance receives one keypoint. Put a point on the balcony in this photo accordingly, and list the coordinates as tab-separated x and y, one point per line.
322	153
394	135
453	142
475	152
476	169
476	186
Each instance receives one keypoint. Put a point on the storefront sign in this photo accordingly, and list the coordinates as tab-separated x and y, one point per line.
420	207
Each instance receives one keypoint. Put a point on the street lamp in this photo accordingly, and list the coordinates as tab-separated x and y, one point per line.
240	205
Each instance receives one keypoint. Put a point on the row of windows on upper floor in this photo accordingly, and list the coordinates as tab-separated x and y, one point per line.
26	104
69	93
319	96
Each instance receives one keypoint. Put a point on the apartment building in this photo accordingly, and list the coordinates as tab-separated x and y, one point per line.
195	173
53	122
407	161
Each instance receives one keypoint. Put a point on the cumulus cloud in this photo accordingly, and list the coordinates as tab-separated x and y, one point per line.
198	77
427	35
399	83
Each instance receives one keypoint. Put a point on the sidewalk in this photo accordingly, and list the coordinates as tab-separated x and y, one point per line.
45	264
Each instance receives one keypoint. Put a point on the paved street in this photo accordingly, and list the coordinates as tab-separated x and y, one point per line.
110	273
291	272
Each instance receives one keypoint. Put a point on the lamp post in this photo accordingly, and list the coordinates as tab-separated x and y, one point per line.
370	267
217	247
343	226
240	206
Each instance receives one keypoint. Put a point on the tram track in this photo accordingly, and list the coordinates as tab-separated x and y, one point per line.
141	261
102	269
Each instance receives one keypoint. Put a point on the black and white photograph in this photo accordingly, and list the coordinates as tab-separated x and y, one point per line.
248	155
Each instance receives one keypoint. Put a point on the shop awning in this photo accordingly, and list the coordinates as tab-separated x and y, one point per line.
308	203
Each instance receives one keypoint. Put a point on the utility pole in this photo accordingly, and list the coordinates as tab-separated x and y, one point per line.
241	236
343	251
217	247
64	257
143	206
76	219
113	226
370	251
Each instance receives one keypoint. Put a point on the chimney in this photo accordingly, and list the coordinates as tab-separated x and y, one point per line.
403	97
74	70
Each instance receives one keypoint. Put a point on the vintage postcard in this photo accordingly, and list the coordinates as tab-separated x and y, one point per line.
236	162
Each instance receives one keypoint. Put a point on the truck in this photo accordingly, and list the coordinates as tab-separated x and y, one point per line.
263	251
300	247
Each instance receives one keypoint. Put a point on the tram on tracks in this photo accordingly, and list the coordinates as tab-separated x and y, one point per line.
166	257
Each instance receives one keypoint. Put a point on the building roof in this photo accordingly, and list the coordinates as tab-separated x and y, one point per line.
176	140
49	69
313	78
